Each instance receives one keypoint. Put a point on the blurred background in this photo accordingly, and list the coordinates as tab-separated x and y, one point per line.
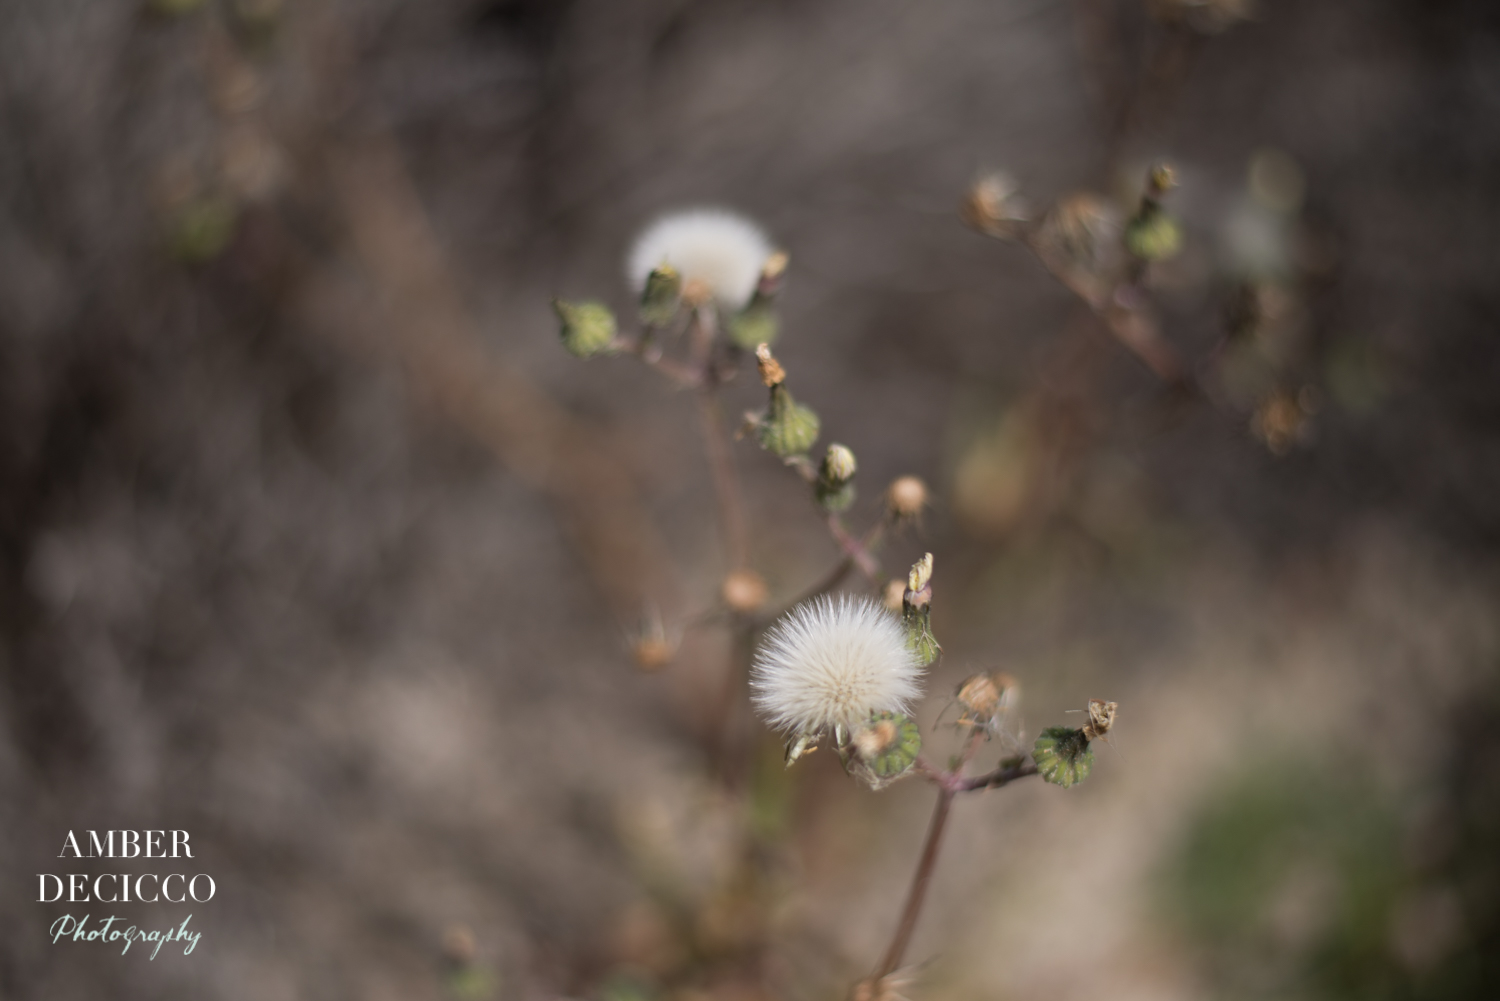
318	546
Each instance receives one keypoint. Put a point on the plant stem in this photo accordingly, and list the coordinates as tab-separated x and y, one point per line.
726	485
716	442
854	548
918	892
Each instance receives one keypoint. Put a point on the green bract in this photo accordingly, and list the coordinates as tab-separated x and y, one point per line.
1063	756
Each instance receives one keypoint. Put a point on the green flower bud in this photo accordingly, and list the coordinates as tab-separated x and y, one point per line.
662	296
788	428
1063	756
916	612
885	748
835	487
838	465
1153	236
588	328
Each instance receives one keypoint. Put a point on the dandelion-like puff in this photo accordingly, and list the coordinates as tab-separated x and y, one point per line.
833	661
713	250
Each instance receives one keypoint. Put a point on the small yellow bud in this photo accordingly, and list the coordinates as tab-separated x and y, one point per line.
916	611
921	574
775	266
744	591
906	497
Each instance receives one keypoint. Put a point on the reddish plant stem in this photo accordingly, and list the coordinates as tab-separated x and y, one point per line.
726	484
716	441
950	783
918	892
856	550
871	541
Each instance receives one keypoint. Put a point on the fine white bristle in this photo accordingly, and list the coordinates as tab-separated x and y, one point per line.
832	661
710	247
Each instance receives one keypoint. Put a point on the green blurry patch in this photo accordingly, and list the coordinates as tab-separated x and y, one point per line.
1314	882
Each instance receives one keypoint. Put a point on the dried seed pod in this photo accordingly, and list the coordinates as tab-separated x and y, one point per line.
1101	718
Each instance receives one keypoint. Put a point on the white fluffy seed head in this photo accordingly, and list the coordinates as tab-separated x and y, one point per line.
713	250
830	661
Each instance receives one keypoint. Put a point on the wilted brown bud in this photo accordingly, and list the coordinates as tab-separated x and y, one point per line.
983	699
906	497
874	740
979	696
771	372
1101	718
744	591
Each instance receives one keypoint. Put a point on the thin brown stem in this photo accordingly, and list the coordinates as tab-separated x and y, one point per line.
918	892
726	484
1004	775
831	580
971	746
716	442
855	549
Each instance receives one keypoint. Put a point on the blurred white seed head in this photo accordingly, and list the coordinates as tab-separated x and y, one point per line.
833	661
720	255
